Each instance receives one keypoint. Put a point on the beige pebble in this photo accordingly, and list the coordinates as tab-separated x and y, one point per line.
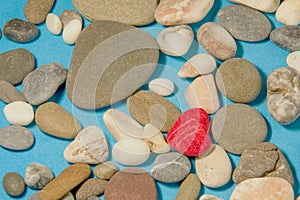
175	40
53	24
189	188
19	113
68	15
71	31
162	86
199	64
68	196
268	188
298	198
268	6
157	142
293	60
209	197
203	93
288	12
105	170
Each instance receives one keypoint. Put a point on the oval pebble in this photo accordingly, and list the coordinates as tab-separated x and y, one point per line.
293	60
131	152
170	167
53	24
216	41
175	40
162	86
68	15
251	128
37	175
269	6
35	11
209	197
19	113
214	169
287	37
245	23
9	94
16	138
105	170
189	188
288	12
91	187
71	31
13	184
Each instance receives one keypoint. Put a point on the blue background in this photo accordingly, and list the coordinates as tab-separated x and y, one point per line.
49	48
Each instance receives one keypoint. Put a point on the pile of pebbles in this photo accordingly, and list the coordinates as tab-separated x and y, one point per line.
111	61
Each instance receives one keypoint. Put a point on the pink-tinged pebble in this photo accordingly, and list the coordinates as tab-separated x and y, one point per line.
189	134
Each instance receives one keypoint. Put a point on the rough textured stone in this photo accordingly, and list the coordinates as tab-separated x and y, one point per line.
41	84
35	196
244	23
287	37
265	6
13	184
68	15
237	126
91	187
131	184
35	11
107	72
15	65
9	94
239	80
189	188
105	170
37	175
149	107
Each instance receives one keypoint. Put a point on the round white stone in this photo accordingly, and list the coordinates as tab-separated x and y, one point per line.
53	24
19	113
162	86
293	60
71	31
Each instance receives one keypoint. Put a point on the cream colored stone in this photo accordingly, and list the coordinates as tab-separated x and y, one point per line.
293	60
203	93
131	152
53	24
162	86
19	113
269	6
199	64
71	31
288	12
157	142
209	197
298	198
175	40
268	188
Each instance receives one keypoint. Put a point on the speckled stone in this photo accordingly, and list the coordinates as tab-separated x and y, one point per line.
20	31
15	65
244	23
37	175
93	198
35	11
35	196
68	15
68	196
105	170
13	184
189	188
287	37
91	187
41	84
9	94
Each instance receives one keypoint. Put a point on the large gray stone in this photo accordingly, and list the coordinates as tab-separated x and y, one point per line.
287	37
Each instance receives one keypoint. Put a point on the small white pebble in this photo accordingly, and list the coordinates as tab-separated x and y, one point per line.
162	86
53	24
71	31
19	113
293	60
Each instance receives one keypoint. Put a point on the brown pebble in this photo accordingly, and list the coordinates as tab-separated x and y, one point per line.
13	184
189	188
9	94
35	11
105	170
91	187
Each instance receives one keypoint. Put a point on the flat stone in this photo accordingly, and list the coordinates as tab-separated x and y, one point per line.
65	181
131	184
53	24
262	160
189	188
91	187
105	170
269	6
170	167
162	86
239	80
209	197
19	113
9	94
237	126
35	11
71	31
107	72
37	175
287	37
268	188
20	31
68	15
16	138
89	146
35	196
283	95
217	41
15	65
293	60
244	23
54	120
41	84
13	184
149	107
288	12
174	12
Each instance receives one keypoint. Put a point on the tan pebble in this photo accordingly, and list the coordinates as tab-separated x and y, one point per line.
162	86
209	197
189	188
105	170
9	94
35	11
91	187
19	113
68	15
68	196
298	198
71	31
288	12
293	60
268	6
53	24
157	142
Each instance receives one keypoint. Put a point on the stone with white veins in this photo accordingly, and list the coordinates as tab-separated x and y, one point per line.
71	31
162	86
293	60
19	113
268	6
53	24
288	12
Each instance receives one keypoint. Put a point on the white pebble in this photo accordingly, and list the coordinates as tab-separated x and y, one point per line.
53	24
293	60
269	6
71	31
19	113
288	12
162	86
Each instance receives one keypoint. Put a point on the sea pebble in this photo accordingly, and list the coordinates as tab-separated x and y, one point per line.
68	15
189	188
35	11
162	86
53	24
16	138
93	198
35	196
239	80
9	94
71	31
68	196
131	184
54	120
288	12
268	188
19	113
13	184
37	175
237	126
214	169
202	93
268	6
68	179
209	197
175	40
287	37
283	95
131	152
15	65
293	60
20	31
89	146
175	12
105	170
216	41
170	167
91	187
41	84
189	134
199	64
244	23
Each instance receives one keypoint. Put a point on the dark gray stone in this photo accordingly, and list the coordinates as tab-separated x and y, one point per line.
13	184
287	37
20	31
8	93
244	23
37	175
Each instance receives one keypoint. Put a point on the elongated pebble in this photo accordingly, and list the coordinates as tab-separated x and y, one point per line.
293	60
35	11
162	86
268	6
68	15
71	31
287	37
19	113
13	184
9	94
53	24
189	188
35	196
288	12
